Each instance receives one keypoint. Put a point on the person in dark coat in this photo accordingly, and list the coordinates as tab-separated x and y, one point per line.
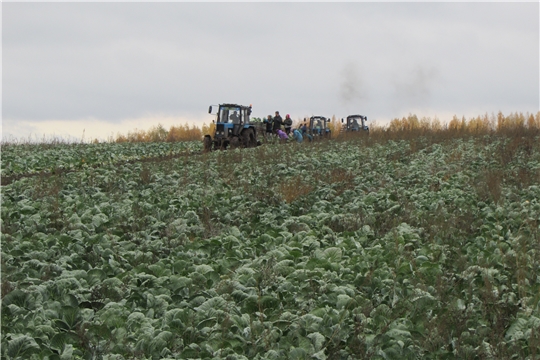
305	133
278	121
303	129
235	119
269	123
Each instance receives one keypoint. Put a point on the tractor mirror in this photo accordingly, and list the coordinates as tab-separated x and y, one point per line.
210	109
341	120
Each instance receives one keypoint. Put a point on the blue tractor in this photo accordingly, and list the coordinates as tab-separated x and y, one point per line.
318	128
233	128
356	123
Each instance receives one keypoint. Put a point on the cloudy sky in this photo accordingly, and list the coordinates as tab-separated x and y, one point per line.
104	68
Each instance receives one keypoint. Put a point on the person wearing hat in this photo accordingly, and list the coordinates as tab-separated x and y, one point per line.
278	121
288	124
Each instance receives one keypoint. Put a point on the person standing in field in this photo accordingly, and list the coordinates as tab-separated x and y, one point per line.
278	121
288	124
269	123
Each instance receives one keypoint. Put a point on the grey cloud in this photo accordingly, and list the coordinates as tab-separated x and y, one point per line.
122	60
416	87
352	87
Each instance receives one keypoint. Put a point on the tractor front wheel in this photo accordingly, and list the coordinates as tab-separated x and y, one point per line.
235	142
249	138
207	142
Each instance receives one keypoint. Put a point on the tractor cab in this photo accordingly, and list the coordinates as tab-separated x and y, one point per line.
318	126
356	123
233	128
231	119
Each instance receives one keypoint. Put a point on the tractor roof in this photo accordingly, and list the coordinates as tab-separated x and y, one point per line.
235	105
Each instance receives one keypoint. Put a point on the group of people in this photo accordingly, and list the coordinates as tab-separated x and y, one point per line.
283	128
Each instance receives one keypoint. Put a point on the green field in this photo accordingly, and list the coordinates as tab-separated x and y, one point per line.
369	248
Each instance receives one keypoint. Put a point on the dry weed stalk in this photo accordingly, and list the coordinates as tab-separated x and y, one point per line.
293	189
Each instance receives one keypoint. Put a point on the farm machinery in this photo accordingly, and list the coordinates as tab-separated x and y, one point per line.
318	128
233	128
355	123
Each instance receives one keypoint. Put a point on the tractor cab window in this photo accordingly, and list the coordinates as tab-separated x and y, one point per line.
234	116
317	125
353	124
230	115
245	116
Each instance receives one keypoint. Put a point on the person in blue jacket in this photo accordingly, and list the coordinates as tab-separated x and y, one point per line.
298	136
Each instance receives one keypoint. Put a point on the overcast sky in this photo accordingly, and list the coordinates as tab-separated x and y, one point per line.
110	67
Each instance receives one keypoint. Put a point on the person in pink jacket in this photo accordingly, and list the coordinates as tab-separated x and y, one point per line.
288	124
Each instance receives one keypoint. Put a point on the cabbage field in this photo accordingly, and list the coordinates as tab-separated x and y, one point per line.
34	159
425	247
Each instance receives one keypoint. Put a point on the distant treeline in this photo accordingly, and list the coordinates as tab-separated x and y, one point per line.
481	124
411	125
159	134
